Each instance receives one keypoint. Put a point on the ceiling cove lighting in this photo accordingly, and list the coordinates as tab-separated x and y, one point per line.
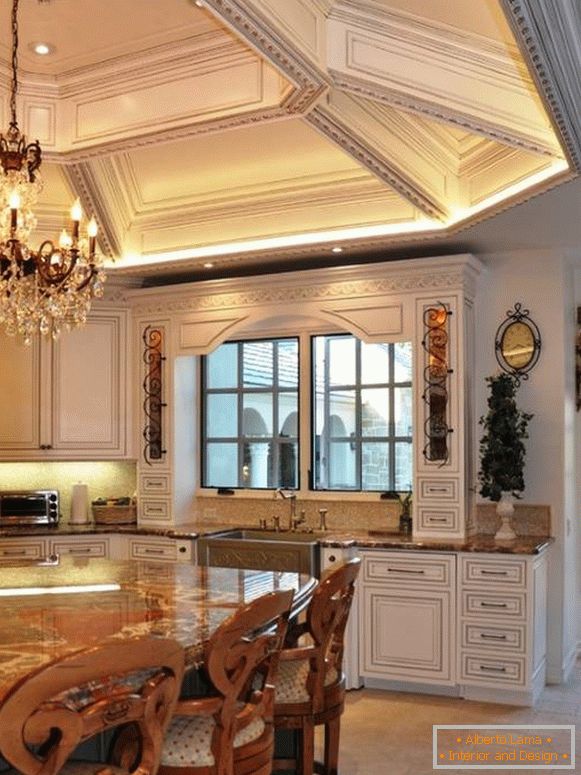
44	290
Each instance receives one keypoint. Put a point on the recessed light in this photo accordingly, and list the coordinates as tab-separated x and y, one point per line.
208	265
42	49
336	249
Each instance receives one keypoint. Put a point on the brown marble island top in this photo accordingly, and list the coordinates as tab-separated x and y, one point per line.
365	539
143	598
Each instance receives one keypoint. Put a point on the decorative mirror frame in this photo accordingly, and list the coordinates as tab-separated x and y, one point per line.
517	315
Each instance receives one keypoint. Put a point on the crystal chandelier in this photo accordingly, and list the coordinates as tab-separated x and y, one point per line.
44	290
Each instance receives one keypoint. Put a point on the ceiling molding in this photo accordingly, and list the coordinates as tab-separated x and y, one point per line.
341	133
311	80
549	35
428	68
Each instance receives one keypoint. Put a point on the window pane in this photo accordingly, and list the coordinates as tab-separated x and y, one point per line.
341	360
257	364
288	417
341	466
222	367
342	405
374	465
288	465
221	465
374	363
288	363
403	362
257	465
403	466
375	412
257	414
222	415
403	411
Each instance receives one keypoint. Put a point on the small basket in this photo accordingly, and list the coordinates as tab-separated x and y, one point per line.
114	515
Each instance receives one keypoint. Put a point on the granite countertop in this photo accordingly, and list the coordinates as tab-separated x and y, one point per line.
366	539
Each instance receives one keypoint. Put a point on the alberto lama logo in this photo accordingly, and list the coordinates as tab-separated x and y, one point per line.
505	746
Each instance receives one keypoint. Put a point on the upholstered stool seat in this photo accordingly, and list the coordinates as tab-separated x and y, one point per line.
83	768
188	740
291	682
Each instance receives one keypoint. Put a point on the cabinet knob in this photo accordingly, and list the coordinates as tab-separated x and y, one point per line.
182	549
332	558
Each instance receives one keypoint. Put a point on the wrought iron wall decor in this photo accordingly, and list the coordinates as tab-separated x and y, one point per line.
436	380
153	394
517	344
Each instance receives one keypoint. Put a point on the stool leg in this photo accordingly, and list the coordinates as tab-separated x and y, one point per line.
332	730
307	752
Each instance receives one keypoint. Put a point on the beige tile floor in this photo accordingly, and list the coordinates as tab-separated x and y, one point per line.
390	733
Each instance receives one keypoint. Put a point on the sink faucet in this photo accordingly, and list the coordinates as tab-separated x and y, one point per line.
292	496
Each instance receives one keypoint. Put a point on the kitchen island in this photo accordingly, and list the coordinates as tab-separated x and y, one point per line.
52	609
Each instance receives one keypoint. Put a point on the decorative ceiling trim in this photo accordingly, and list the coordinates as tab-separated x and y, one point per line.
333	128
372	280
437	112
310	80
549	35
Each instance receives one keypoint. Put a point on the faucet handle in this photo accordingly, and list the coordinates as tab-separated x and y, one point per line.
322	519
276	522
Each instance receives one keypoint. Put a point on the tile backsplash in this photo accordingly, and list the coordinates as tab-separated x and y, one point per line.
341	514
105	479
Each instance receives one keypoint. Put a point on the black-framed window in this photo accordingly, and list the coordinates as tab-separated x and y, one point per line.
362	414
250	411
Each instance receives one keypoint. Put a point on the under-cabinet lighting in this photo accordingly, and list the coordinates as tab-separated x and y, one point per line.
69	589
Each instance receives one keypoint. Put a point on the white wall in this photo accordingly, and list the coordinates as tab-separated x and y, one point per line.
543	283
577	286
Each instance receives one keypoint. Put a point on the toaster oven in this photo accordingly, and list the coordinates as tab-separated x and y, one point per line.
29	507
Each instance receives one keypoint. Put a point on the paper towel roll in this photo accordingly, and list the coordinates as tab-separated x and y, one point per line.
79	504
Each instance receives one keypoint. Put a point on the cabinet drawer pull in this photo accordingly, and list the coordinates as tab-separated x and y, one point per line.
490	636
155	509
484	604
491	669
79	549
14	552
153	551
406	570
437	489
437	519
485	572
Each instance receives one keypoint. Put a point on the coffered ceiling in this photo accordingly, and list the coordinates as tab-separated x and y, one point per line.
240	132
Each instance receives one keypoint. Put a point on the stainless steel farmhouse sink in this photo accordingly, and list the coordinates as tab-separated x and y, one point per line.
261	549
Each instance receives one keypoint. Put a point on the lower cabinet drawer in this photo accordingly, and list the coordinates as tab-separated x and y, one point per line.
17	550
492	572
163	551
92	548
483	668
493	637
493	604
408	568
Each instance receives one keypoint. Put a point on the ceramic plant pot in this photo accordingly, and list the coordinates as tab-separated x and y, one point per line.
505	510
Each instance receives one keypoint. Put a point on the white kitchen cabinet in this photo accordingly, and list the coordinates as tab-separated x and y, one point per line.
502	627
161	549
68	398
407	618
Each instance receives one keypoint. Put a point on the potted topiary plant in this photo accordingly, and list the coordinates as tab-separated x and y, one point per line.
502	451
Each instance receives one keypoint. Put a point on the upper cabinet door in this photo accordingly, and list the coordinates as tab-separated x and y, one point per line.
89	389
21	394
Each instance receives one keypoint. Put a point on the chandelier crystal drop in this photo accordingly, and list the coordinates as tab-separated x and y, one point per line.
51	288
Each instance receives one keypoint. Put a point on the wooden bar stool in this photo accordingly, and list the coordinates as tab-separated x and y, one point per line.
49	713
310	687
231	731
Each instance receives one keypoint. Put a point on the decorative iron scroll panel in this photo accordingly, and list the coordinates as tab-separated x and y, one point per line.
153	394
436	383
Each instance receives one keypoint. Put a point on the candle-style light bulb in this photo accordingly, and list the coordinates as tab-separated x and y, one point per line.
76	215
92	230
65	240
